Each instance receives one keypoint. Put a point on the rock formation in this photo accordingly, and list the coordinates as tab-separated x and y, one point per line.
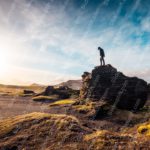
28	92
49	91
105	83
63	92
149	88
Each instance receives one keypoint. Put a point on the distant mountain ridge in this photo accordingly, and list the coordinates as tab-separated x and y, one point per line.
35	84
73	84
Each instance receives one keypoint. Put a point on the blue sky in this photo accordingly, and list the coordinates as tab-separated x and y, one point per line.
50	41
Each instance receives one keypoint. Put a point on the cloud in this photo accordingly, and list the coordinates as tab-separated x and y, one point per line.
26	76
146	24
145	74
49	42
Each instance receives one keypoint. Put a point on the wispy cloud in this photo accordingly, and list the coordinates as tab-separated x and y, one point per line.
46	45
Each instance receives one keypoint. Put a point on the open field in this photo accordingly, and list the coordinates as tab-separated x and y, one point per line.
12	106
17	90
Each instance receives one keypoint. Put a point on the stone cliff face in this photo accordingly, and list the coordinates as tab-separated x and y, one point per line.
105	83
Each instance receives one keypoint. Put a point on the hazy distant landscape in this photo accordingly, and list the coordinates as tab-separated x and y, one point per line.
14	102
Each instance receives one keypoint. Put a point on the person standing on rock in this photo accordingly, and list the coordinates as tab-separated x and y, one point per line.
102	55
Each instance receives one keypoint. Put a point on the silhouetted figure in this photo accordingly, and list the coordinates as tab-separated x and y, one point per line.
102	54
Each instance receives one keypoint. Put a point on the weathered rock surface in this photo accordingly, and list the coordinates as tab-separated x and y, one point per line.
107	84
63	92
28	92
49	91
149	88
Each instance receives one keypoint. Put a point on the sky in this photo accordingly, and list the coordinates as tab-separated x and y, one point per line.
51	41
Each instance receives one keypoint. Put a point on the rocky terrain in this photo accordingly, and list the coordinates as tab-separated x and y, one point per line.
111	111
73	84
107	84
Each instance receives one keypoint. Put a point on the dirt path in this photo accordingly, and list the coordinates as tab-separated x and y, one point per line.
11	106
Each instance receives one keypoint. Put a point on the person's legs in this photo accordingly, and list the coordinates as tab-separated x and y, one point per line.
101	61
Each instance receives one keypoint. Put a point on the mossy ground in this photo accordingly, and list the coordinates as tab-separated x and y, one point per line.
104	140
63	102
66	132
52	131
84	108
45	98
6	126
38	130
144	129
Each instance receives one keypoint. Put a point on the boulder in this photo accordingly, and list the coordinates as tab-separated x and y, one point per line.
85	85
149	88
107	84
49	91
28	92
62	92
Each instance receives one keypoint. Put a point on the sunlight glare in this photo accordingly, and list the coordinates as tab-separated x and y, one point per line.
4	60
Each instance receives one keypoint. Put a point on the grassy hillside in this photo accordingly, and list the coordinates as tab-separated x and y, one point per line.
38	130
52	132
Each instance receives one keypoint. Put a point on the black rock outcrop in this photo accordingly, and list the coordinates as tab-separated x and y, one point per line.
105	83
62	92
28	92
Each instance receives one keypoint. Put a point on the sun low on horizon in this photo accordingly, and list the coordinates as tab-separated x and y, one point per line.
49	42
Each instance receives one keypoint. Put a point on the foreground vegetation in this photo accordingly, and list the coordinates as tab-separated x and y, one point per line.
45	98
71	124
63	102
51	131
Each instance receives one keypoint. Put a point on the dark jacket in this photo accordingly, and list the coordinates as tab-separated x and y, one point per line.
102	54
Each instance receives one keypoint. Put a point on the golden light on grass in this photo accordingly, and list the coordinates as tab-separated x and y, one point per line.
63	102
83	108
45	98
144	129
97	134
61	121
